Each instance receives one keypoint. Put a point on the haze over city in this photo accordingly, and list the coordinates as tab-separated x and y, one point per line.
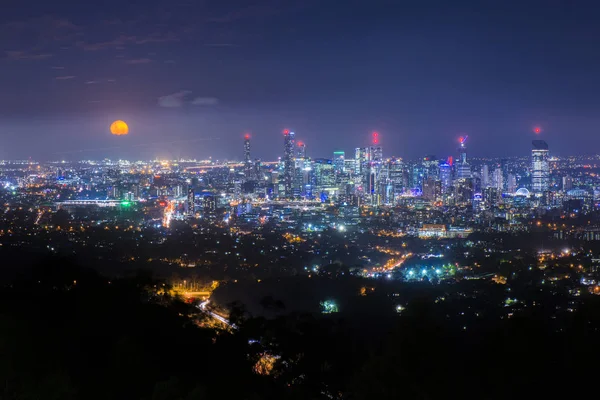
421	73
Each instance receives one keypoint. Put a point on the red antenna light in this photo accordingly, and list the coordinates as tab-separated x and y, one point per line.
300	144
375	138
537	130
450	161
286	131
247	136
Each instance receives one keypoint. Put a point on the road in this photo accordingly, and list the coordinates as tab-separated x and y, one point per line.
202	306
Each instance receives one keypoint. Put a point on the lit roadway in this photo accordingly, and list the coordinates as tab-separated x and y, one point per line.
216	316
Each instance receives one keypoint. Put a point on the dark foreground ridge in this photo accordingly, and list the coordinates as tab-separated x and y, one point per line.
68	333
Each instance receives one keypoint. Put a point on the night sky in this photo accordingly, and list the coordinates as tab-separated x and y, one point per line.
190	77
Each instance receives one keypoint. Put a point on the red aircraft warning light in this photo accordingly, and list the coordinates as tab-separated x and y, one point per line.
286	131
375	138
300	144
247	136
537	130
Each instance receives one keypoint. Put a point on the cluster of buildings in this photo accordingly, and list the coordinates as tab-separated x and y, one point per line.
428	197
369	178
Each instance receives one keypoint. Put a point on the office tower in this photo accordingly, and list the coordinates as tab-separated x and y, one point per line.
301	150
540	168
485	176
350	165
463	169
446	177
302	172
431	167
191	204
247	160
511	183
498	179
567	182
417	176
360	159
396	176
375	154
338	161
288	162
323	178
431	189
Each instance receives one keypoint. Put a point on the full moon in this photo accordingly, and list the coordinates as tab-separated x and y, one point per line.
119	128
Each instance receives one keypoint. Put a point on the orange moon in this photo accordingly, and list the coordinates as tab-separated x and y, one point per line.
119	128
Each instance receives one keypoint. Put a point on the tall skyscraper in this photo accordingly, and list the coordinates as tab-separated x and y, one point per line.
511	183
498	179
247	159
338	161
191	204
301	150
360	160
248	167
485	176
288	162
540	168
446	177
463	169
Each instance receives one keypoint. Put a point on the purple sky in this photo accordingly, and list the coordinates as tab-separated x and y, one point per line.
190	77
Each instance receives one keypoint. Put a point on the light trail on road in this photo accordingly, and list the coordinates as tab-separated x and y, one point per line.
202	306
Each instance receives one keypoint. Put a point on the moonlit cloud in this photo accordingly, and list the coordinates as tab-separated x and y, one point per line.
205	101
64	78
173	100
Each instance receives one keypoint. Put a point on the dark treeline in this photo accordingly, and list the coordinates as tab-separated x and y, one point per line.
67	332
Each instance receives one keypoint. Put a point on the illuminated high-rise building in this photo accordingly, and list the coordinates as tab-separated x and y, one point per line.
431	167
498	179
446	177
485	176
511	183
463	169
247	159
191	204
248	165
338	161
540	168
360	160
301	150
323	178
288	162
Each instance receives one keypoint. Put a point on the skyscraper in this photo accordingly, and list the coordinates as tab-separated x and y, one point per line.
288	162
338	161
446	177
360	158
540	168
301	150
511	183
485	176
463	169
191	204
498	179
248	167
247	159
